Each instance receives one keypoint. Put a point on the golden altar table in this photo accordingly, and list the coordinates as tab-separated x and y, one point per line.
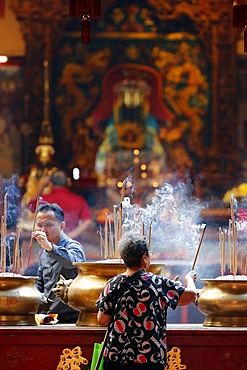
40	347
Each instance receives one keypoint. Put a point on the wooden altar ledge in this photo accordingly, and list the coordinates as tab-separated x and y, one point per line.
40	347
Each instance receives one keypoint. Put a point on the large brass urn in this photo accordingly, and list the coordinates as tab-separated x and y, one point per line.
224	302
82	292
19	300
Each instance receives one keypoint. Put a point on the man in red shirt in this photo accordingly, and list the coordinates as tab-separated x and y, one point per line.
77	213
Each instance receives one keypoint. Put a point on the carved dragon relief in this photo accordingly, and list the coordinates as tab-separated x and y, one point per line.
213	23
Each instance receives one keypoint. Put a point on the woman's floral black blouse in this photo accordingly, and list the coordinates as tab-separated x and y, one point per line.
137	332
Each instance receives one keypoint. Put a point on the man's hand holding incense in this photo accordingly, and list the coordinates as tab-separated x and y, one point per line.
41	238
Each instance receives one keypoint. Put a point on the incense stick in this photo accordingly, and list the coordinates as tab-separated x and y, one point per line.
3	246
106	237
222	250
230	245
3	234
34	222
115	224
101	241
198	248
16	248
149	234
234	237
111	250
120	221
123	190
2	243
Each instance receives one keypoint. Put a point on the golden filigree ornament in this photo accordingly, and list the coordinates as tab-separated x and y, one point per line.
174	360
45	149
44	153
71	359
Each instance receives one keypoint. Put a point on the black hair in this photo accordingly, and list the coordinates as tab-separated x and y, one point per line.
59	178
54	207
132	247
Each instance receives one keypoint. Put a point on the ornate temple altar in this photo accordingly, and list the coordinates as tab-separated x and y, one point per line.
200	348
185	45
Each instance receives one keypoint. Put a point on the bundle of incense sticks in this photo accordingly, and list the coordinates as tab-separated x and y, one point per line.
231	252
222	240
3	245
232	239
34	221
17	259
16	255
3	234
113	232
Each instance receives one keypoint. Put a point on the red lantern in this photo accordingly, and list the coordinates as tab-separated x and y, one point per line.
85	9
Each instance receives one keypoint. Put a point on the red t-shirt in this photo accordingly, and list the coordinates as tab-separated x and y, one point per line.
242	214
74	206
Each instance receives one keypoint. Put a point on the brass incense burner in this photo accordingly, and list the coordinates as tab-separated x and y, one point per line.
82	292
19	300
224	302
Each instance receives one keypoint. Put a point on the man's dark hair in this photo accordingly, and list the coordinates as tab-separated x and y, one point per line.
59	178
54	207
132	247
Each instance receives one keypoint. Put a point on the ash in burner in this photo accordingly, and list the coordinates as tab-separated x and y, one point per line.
232	277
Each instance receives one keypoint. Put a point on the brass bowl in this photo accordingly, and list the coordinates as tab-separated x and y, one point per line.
87	286
19	300
224	302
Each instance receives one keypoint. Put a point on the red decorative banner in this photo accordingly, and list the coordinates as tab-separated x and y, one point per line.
85	30
85	9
